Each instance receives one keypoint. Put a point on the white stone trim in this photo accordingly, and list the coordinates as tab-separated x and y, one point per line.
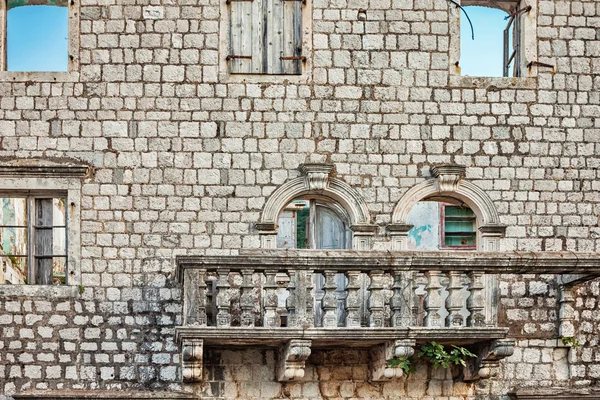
327	187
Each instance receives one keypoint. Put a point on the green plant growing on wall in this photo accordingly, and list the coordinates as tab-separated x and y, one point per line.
441	356
81	289
570	341
406	364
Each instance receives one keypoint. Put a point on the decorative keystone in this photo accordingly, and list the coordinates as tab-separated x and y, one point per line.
191	359
488	359
449	176
316	175
292	359
382	354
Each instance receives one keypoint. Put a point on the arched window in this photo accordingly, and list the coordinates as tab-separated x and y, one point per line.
313	223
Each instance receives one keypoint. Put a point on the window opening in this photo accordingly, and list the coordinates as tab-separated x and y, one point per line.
37	36
485	54
33	240
442	225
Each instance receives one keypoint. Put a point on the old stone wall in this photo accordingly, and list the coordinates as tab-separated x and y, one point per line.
185	156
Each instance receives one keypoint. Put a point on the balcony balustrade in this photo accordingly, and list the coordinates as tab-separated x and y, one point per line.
388	302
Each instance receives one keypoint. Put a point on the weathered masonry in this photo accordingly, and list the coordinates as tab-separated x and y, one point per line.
265	199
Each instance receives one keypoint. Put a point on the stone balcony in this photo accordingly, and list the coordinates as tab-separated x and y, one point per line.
298	300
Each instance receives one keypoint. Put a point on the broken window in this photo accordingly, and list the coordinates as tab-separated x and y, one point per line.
492	40
265	36
36	35
33	240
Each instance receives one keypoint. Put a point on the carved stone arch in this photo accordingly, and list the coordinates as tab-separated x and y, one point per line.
316	180
448	182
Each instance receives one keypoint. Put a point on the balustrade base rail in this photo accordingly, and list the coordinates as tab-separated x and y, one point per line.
325	337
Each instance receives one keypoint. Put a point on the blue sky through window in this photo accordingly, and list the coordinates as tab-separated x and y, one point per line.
37	38
484	55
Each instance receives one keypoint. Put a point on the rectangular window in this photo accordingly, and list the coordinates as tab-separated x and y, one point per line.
39	36
265	37
458	227
33	239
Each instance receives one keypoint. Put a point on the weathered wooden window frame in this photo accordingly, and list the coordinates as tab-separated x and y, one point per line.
72	75
265	37
33	228
70	188
443	216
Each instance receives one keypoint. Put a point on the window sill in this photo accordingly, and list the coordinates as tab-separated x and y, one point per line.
48	291
226	77
491	83
10	76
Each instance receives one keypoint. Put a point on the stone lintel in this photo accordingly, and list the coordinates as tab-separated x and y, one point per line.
266	228
43	168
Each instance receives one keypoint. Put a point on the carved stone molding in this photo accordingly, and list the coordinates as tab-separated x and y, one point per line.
191	359
292	359
448	176
488	359
316	175
43	168
382	354
447	182
317	181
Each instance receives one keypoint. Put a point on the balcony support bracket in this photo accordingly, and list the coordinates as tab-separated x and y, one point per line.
292	359
488	359
191	359
382	354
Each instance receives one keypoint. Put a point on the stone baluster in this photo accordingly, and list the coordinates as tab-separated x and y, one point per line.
376	299
270	319
433	300
476	300
353	299
291	301
330	300
403	299
246	299
309	300
223	300
195	297
454	301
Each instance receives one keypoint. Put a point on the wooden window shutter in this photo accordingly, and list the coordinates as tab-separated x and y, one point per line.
240	57
265	36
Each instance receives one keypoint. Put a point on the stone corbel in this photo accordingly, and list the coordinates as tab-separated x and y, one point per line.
292	359
316	175
382	354
448	176
191	358
488	359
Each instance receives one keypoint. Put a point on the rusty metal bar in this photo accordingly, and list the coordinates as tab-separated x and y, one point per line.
303	1
233	57
539	64
517	12
230	1
301	58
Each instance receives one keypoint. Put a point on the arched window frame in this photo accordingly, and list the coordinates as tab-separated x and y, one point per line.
448	182
316	182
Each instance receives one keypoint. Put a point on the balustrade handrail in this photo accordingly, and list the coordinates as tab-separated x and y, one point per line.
513	262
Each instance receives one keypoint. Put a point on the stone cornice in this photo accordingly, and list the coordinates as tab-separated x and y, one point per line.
43	168
513	262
